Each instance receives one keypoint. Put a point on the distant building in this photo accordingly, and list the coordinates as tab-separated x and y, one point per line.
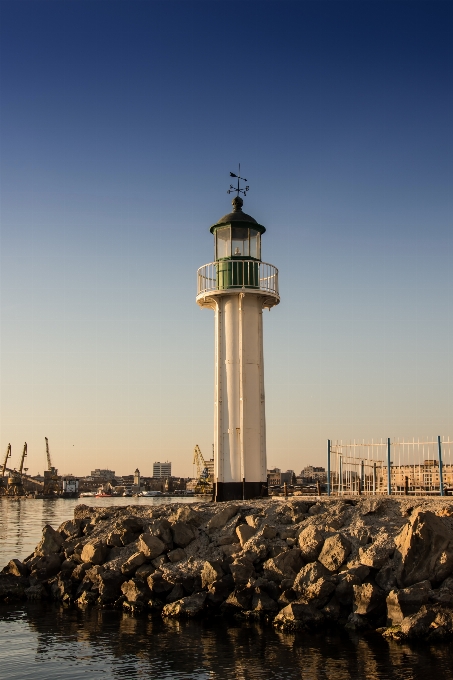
105	474
289	477
161	470
274	477
313	472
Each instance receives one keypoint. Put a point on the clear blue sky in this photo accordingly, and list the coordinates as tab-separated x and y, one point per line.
120	122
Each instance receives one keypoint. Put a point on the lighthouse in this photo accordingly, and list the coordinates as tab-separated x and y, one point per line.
238	285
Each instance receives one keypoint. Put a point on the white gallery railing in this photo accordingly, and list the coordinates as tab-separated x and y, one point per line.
227	274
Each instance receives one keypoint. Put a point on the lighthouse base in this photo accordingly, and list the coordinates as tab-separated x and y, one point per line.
238	491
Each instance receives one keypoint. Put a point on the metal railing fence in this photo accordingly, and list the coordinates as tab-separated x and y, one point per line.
227	274
390	467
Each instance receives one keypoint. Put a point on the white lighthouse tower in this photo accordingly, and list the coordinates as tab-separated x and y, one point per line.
238	286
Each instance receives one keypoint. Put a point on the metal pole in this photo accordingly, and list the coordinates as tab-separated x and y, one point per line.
362	475
441	471
374	478
389	471
340	485
328	467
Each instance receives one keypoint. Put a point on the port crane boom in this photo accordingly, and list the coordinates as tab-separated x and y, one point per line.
204	485
8	455
24	454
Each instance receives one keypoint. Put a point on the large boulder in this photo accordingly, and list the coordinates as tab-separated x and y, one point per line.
222	517
263	603
377	554
188	606
239	600
16	568
308	575
72	528
405	602
283	566
298	615
334	552
182	533
241	570
109	585
424	550
94	552
44	567
133	562
50	543
151	546
367	598
311	540
244	532
345	589
212	571
12	587
318	593
134	590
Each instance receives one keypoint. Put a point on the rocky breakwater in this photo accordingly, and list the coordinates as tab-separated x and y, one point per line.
369	564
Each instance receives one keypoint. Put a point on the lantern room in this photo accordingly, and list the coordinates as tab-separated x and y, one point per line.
237	235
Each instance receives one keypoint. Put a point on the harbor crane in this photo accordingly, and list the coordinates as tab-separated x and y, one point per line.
15	479
50	475
204	485
2	478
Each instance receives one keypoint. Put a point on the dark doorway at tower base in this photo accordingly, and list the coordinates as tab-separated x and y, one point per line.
238	491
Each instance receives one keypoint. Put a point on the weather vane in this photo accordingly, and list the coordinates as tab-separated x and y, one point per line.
238	188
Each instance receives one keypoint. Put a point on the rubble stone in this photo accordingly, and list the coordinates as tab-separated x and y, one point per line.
424	550
334	552
311	541
405	602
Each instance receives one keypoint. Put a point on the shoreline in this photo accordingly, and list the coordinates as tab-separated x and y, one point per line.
364	563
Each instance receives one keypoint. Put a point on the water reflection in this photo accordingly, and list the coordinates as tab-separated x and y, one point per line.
69	643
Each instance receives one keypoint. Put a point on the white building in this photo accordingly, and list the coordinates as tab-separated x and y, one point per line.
161	470
238	286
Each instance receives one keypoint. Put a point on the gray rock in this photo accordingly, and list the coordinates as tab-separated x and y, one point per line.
144	571
136	560
222	517
176	593
261	602
244	532
334	552
309	575
176	555
367	598
345	589
386	578
310	542
268	532
134	590
377	554
94	552
212	571
405	602
242	570
424	550
159	585
283	566
189	606
318	593
16	568
50	543
239	600
71	528
298	615
417	625
183	534
151	546
35	592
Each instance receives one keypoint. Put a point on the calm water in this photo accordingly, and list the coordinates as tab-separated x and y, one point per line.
48	642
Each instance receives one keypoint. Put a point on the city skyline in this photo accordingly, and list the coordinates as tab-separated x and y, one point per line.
120	124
